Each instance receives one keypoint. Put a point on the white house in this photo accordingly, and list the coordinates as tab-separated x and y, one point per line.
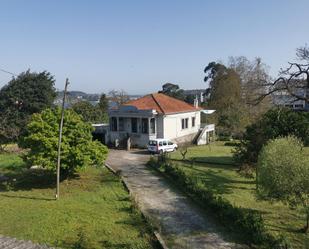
156	116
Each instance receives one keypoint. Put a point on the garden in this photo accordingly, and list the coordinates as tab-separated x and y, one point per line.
211	176
94	211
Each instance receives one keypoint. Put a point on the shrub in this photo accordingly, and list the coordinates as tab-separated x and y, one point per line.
274	123
247	222
77	148
283	173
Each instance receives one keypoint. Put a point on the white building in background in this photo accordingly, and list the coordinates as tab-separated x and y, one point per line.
157	116
284	99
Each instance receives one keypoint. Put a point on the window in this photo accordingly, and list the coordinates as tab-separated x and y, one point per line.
144	125
113	124
134	125
170	143
193	121
152	126
121	124
164	143
152	143
299	106
160	143
184	123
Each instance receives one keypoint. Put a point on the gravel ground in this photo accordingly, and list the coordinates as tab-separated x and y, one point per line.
11	243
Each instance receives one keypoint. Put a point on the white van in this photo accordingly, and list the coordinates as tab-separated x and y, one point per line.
161	145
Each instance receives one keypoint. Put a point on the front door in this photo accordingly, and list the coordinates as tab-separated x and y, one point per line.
134	125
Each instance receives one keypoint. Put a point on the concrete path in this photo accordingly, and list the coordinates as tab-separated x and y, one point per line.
10	243
181	223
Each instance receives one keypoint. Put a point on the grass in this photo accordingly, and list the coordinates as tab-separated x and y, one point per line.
212	153
225	181
94	210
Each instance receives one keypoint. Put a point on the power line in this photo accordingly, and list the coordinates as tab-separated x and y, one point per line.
8	72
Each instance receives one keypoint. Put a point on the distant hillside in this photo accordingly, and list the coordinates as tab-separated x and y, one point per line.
76	96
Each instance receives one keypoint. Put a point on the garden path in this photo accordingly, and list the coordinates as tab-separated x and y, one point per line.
180	223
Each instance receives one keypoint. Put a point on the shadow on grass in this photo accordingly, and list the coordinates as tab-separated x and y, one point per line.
27	197
216	182
286	228
223	160
226	160
28	179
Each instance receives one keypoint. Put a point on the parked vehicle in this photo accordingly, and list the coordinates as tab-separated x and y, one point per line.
161	145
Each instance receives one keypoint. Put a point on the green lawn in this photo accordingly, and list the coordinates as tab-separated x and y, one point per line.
94	209
224	180
212	153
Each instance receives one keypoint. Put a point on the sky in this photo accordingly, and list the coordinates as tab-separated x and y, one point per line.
139	45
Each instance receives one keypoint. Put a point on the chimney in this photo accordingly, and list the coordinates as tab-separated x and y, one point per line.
195	102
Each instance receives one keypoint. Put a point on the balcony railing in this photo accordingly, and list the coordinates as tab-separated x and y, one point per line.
208	127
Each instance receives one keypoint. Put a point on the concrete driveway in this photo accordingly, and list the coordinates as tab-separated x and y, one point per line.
181	223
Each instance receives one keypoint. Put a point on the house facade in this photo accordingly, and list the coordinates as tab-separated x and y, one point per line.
284	99
154	116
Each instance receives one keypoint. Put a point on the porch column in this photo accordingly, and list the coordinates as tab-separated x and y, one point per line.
117	123
149	126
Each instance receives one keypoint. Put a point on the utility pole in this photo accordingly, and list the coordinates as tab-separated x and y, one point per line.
60	137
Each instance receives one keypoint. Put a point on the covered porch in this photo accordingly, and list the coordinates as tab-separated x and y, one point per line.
138	126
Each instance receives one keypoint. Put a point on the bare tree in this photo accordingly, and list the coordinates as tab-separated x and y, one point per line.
294	80
118	96
254	75
183	149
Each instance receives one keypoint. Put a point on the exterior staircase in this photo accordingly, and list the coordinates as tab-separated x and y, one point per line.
203	135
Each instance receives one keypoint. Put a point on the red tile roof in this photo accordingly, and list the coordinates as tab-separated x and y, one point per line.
162	104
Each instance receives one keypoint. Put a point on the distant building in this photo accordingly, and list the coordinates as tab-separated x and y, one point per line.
200	94
284	99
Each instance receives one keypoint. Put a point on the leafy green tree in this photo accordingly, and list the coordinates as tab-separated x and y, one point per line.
90	113
103	107
283	173
24	95
274	123
77	148
173	90
87	111
8	132
225	97
103	103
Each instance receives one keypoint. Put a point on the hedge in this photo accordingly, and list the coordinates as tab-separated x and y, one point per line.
249	223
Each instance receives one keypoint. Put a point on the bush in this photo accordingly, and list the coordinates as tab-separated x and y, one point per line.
77	148
274	123
247	222
283	172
